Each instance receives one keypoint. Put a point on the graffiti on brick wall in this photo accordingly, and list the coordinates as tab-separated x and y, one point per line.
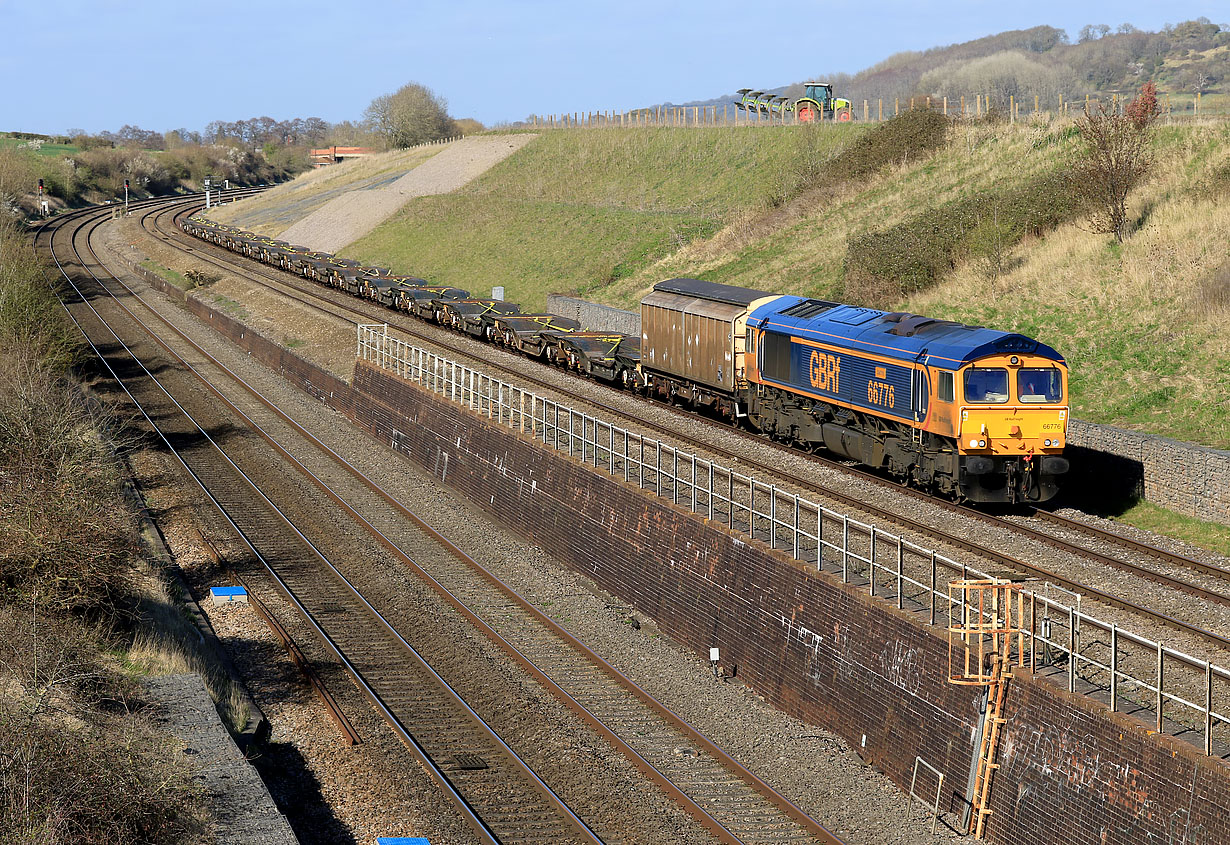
810	641
897	663
1065	766
901	666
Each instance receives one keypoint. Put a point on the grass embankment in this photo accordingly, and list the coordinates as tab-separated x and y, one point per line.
273	211
605	214
36	147
1143	323
78	761
577	211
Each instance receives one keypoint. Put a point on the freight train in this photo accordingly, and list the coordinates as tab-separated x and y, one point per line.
966	412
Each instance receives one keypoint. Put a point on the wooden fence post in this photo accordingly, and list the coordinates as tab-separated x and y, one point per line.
896	106
945	107
880	106
1012	108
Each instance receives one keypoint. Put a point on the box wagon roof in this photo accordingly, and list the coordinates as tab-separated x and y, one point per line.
712	291
894	335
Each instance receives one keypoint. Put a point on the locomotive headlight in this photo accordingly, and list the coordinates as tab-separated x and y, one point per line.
973	444
1047	442
982	444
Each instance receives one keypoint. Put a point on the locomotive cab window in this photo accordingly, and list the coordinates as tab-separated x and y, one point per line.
986	385
945	387
1039	386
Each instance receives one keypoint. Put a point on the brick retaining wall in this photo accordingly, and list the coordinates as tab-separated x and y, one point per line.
823	651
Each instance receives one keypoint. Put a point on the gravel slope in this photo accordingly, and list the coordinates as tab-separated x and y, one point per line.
352	215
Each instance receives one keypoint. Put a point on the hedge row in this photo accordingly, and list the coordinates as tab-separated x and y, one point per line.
882	266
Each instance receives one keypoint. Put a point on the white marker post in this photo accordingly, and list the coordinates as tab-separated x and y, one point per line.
207	186
714	657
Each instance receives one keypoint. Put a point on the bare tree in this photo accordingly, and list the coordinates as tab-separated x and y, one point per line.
411	115
1116	159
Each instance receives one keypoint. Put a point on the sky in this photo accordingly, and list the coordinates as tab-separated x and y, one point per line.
101	64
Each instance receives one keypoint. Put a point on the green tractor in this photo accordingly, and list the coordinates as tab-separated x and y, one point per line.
817	102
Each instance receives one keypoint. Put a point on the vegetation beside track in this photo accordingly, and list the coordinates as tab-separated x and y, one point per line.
79	763
606	213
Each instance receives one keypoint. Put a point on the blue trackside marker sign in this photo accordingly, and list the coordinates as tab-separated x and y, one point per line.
227	593
401	840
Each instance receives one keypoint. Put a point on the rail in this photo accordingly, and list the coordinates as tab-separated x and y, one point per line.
1130	672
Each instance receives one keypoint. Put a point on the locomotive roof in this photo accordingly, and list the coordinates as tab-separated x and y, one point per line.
711	291
895	334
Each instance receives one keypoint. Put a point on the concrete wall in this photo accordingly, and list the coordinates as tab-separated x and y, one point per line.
823	651
594	316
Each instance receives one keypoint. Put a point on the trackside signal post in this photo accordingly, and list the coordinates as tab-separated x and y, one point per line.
125	197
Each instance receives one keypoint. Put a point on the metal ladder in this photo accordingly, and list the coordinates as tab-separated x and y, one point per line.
985	640
996	693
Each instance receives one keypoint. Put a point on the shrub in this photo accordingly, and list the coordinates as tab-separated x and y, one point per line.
74	768
882	266
909	135
906	137
1116	159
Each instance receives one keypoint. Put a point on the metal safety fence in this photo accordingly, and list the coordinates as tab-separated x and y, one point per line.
1172	690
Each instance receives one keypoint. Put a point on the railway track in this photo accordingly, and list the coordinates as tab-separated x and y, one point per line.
311	295
503	799
684	763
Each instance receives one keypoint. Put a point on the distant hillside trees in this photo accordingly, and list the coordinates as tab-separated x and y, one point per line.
258	131
413	114
999	77
1180	57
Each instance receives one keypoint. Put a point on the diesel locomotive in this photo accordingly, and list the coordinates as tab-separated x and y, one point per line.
967	412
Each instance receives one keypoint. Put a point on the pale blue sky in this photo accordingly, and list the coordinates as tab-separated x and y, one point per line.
85	63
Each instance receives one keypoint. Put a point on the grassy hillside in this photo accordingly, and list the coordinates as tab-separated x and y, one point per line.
1143	324
605	214
580	211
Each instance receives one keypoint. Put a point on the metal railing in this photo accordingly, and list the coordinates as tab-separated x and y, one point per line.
1129	672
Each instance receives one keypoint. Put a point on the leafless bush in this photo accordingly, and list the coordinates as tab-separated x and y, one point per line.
64	529
1117	158
77	763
